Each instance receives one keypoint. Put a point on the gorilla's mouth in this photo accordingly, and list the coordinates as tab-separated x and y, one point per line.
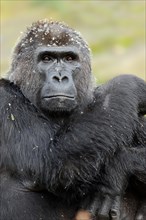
60	96
58	102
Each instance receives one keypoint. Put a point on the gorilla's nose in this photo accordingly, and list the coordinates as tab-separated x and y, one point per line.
60	79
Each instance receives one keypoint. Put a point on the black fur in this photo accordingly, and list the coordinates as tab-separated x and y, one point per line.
71	162
59	154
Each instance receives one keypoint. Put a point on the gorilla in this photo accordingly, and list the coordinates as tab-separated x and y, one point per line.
65	145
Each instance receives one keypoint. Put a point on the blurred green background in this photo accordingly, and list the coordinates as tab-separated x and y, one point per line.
114	30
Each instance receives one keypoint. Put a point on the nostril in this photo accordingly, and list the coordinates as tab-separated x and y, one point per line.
65	79
56	79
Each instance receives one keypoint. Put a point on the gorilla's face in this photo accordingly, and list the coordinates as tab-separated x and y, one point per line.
58	67
51	65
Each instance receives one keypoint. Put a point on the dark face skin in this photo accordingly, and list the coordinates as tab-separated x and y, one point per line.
58	67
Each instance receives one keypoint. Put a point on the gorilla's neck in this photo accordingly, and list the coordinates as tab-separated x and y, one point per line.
58	118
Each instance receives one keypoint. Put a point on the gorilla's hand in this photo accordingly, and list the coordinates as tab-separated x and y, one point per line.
107	208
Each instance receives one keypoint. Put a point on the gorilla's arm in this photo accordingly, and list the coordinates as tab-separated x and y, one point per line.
25	136
130	162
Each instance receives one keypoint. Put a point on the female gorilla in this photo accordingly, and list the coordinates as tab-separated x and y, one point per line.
47	132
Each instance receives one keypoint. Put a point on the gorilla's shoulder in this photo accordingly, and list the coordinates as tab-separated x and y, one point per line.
126	79
125	82
8	87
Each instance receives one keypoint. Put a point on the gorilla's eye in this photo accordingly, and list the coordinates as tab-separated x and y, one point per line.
70	58
46	58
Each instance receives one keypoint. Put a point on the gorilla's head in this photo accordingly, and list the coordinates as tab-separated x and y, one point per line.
51	65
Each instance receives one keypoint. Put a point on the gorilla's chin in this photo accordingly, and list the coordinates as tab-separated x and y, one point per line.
58	104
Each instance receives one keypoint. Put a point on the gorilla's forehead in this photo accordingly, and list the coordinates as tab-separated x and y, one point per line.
59	49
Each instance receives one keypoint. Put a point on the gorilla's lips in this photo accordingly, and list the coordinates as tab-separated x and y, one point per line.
59	102
60	96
